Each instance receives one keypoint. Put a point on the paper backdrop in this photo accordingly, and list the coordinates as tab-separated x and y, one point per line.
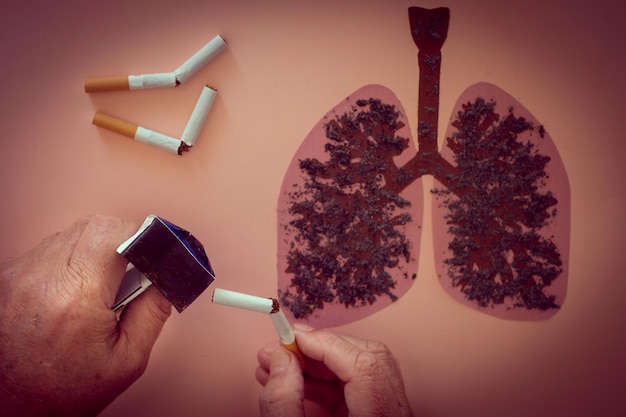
287	64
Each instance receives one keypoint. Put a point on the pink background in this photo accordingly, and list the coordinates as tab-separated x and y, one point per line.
287	64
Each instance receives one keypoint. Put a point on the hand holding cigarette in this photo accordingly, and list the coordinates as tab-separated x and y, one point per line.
63	352
345	375
262	305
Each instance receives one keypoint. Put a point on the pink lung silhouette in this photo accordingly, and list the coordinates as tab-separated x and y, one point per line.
351	202
349	223
502	229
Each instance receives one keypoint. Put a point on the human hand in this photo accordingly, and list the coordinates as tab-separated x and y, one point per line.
344	374
63	351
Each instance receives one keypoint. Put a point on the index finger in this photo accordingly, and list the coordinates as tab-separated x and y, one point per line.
346	357
373	382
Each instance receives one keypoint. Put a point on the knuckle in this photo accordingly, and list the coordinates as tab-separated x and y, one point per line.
366	363
375	356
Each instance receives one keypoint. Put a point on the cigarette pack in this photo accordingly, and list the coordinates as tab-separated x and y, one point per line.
168	257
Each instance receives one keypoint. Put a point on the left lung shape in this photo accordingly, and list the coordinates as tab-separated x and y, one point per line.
349	220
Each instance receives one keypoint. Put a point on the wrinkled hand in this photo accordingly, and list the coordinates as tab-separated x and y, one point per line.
345	375
63	351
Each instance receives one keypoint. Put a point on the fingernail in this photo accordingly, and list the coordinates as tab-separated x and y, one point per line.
302	327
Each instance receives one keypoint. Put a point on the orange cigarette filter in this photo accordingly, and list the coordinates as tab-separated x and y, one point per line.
93	85
115	125
293	347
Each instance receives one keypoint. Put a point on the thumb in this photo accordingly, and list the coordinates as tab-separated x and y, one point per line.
283	395
141	323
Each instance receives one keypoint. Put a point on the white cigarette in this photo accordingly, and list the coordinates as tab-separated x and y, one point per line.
139	133
198	116
283	328
161	141
248	302
200	59
263	305
157	80
145	81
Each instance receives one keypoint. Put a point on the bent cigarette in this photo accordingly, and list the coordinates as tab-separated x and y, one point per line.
157	80
263	305
167	143
139	133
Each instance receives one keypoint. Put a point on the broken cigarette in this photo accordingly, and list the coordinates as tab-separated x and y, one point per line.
267	306
167	143
141	134
157	80
198	116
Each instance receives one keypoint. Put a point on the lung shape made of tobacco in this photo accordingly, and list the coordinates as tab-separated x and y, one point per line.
348	218
351	202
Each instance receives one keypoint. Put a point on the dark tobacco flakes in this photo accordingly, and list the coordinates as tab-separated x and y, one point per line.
345	216
497	211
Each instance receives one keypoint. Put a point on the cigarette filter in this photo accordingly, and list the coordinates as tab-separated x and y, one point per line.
94	85
263	305
170	258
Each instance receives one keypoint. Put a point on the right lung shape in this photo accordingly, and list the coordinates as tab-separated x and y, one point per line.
501	224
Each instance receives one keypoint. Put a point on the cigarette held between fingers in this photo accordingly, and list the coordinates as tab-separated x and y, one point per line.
286	335
263	305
